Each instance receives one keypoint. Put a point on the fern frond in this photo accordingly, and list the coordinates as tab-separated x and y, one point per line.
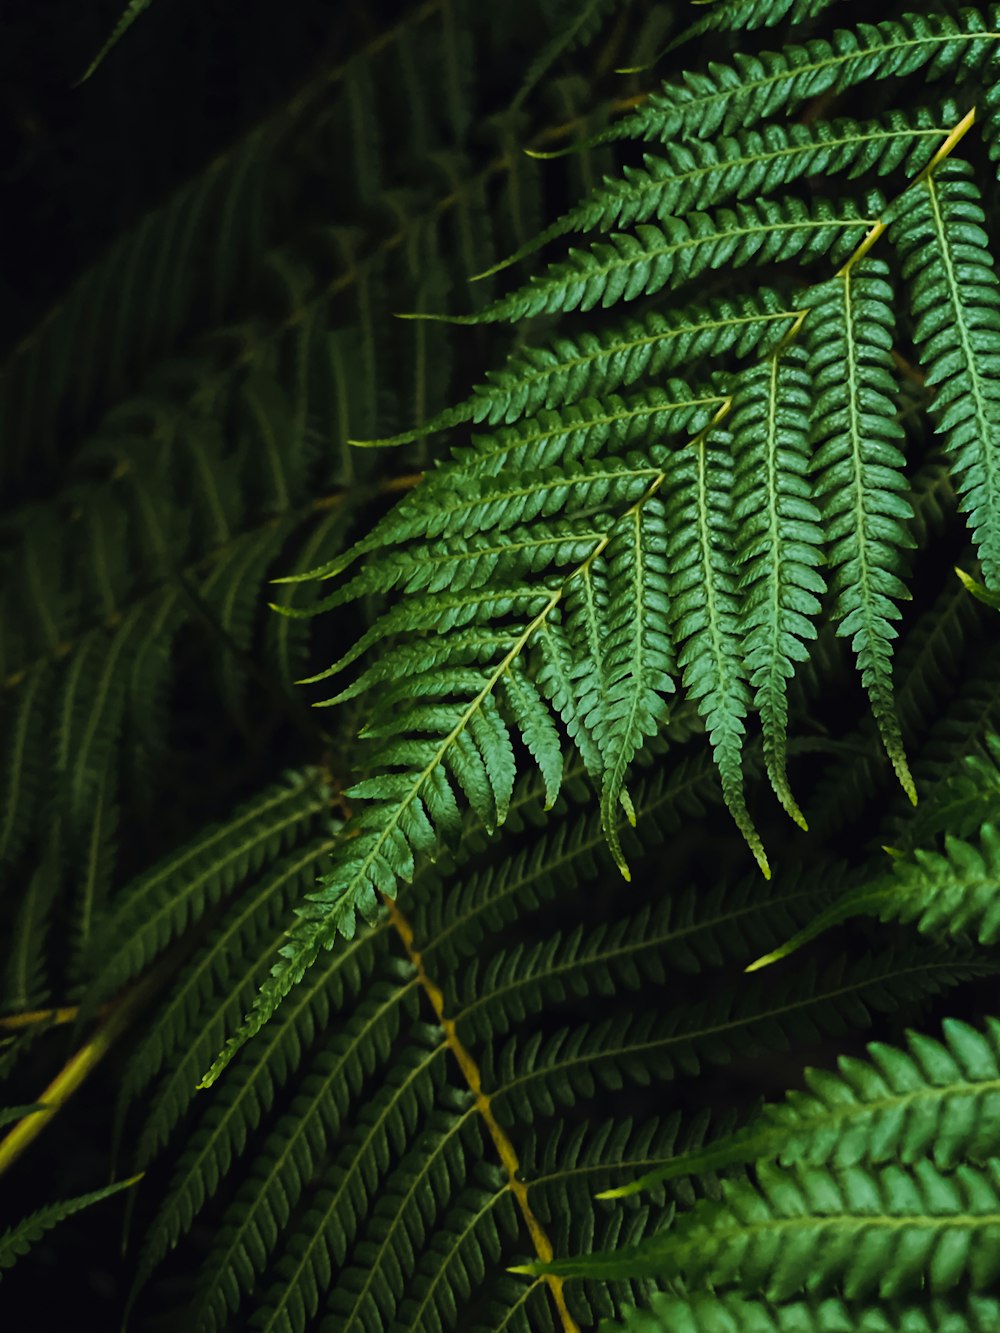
698	931
677	250
599	362
730	97
778	535
949	894
25	984
961	802
335	1077
167	899
221	977
702	174
575	24
96	870
749	15
953	894
956	299
887	1232
573	1063
16	1241
25	703
442	734
704	610
704	1313
860	484
935	1099
636	656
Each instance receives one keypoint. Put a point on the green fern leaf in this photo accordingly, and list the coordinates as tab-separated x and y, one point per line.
860	483
936	1099
599	362
18	1240
939	233
733	97
677	250
749	15
877	1231
947	894
777	539
705	610
636	656
749	165
161	903
704	1313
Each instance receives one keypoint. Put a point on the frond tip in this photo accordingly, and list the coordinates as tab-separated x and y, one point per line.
18	1240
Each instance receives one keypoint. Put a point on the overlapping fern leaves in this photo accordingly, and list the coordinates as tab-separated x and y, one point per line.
619	536
346	1164
676	509
901	1146
154	488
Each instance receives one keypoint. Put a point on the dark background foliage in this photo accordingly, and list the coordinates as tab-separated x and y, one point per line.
79	165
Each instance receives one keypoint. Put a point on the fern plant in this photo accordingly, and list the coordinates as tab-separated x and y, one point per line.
672	582
577	558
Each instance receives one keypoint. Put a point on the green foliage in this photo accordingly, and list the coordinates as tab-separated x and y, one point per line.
957	304
16	1241
703	1314
129	15
686	548
878	1183
785	477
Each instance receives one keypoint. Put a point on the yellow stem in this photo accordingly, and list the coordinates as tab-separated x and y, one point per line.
75	1071
502	1143
36	1017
